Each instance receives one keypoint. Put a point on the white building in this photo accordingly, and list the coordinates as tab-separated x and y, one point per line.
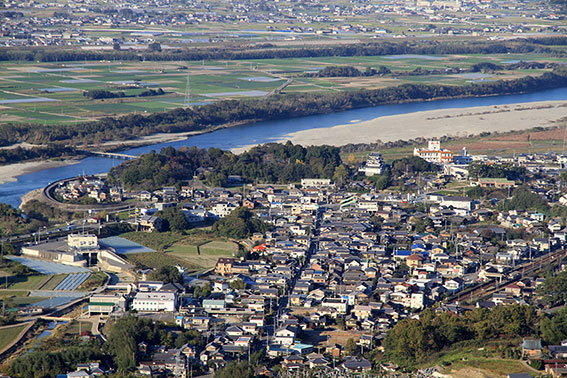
155	301
374	165
434	153
221	210
82	241
315	183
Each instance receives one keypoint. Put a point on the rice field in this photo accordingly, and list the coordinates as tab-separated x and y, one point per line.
52	93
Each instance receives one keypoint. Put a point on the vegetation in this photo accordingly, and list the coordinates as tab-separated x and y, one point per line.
7	335
239	224
265	51
12	221
173	220
124	335
554	328
553	290
524	199
98	94
481	170
167	274
156	241
413	340
270	163
236	369
411	165
50	151
270	108
47	364
349	72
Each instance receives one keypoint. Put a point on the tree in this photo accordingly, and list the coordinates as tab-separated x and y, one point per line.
341	174
167	274
553	290
235	370
239	224
351	347
554	328
154	46
237	284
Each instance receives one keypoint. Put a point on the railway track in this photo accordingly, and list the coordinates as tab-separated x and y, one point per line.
493	285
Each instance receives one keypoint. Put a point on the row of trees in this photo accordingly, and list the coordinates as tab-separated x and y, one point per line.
268	51
99	94
348	71
13	155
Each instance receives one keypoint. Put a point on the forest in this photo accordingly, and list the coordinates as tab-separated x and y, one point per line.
415	340
269	163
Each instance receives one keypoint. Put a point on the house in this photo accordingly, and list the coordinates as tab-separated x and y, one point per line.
284	336
355	365
531	348
224	266
414	260
293	362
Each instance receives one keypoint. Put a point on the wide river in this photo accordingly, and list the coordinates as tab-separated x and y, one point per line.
262	132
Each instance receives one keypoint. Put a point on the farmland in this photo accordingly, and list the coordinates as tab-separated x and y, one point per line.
53	93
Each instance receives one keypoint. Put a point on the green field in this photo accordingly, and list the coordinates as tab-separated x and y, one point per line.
53	282
209	81
9	334
157	260
27	282
95	280
205	255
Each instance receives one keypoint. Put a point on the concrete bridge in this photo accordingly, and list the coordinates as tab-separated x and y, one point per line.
114	155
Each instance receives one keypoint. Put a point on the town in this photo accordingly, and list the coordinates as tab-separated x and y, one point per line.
92	25
325	272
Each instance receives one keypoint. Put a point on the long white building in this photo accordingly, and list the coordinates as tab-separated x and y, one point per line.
155	301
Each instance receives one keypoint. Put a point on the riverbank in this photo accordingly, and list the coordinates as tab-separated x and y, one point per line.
434	124
10	172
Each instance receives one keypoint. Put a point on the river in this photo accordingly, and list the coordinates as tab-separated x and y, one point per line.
259	133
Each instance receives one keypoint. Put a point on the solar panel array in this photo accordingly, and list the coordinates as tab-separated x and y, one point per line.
72	281
47	267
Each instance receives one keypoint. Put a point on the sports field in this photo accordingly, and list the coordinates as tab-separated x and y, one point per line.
205	255
53	93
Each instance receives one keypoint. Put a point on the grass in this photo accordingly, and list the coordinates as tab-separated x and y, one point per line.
485	358
13	293
19	81
75	328
24	300
7	335
157	260
95	280
205	255
488	368
27	282
52	283
157	241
